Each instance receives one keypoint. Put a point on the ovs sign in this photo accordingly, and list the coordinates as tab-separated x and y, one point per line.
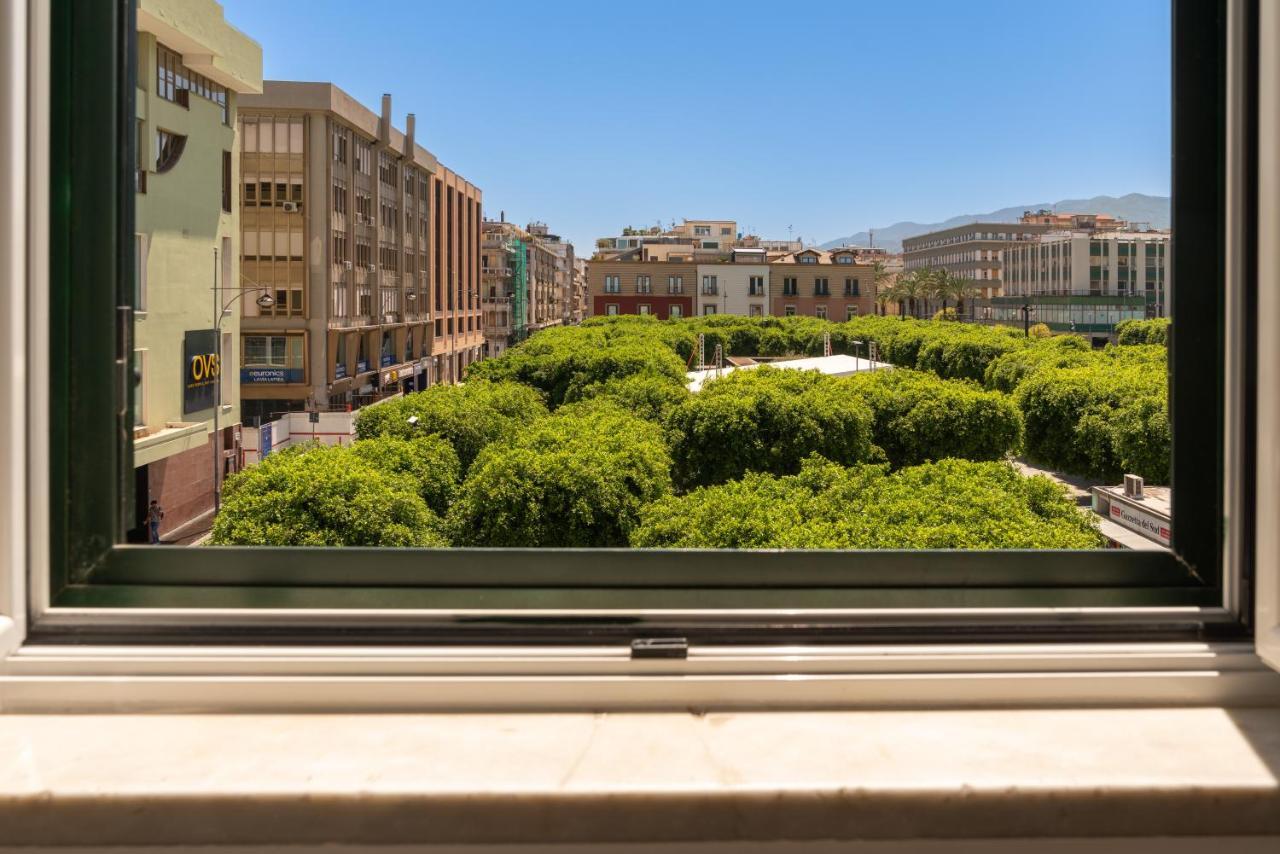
202	367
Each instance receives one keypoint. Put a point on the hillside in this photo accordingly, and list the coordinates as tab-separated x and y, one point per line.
1134	207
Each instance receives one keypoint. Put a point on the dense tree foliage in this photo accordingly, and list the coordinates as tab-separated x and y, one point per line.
324	496
1007	371
919	417
647	395
469	416
429	461
765	420
576	478
1154	331
1104	418
950	504
555	360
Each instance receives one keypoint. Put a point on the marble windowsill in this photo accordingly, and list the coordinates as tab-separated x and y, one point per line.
561	778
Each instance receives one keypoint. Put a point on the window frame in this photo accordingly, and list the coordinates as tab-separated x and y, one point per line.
86	573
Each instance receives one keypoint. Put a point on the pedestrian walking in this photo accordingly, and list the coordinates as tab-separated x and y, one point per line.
154	515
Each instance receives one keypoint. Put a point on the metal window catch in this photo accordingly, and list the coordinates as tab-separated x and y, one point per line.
659	648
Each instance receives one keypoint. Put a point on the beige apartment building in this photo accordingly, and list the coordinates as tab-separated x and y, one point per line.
739	286
193	70
1084	281
703	239
836	285
971	250
522	286
368	247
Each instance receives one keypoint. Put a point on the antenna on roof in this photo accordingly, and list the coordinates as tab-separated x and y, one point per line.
871	233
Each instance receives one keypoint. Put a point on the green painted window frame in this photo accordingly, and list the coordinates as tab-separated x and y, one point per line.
92	197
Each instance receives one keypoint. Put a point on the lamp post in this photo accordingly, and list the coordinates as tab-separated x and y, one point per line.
1027	311
220	313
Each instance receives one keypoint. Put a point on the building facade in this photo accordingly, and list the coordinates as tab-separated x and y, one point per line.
971	251
369	247
1085	281
813	283
733	288
523	286
193	70
662	289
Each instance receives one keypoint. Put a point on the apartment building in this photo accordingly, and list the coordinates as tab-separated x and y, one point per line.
836	285
1084	281
193	70
706	237
971	250
580	297
523	288
663	289
740	286
368	246
1074	221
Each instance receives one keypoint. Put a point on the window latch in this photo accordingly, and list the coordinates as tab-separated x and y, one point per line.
659	648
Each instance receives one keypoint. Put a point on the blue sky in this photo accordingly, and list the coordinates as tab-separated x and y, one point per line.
829	117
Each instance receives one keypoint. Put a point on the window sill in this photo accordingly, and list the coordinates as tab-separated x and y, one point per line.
563	778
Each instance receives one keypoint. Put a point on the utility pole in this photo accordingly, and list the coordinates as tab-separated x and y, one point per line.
217	384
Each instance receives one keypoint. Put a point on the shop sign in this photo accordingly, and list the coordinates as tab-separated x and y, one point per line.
264	440
1151	526
387	359
272	375
201	368
362	366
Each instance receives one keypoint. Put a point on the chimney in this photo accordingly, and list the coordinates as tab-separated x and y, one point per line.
1132	486
384	126
409	122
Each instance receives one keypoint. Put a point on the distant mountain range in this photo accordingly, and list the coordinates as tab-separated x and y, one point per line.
1135	207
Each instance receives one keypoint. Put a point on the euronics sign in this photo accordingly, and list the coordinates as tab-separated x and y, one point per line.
272	375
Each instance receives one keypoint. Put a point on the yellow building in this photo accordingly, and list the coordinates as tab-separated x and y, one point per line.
192	67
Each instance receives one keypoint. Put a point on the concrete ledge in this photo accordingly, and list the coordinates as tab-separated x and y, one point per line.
640	778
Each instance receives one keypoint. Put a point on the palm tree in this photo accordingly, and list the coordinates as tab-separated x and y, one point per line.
961	288
883	283
911	288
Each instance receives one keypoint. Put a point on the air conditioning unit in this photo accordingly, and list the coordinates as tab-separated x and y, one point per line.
347	264
373	268
291	207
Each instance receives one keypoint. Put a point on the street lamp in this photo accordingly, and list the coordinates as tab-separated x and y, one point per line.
1027	311
220	313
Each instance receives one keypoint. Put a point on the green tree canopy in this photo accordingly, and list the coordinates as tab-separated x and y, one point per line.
429	461
468	416
765	420
323	496
950	504
577	478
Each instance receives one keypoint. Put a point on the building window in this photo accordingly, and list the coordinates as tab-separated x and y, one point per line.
675	311
755	286
821	287
726	231
709	285
702	231
789	311
175	82
850	312
708	309
645	308
611	310
789	286
141	245
851	288
808	259
226	181
273	351
169	148
612	284
710	244
675	284
643	285
755	311
820	312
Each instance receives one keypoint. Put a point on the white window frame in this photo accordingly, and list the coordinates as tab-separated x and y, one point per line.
127	678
